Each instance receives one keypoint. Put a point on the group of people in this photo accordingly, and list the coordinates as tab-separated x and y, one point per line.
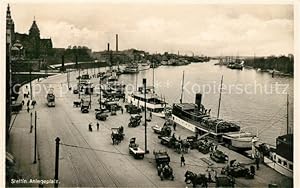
91	126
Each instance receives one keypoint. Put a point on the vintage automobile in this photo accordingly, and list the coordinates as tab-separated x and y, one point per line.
204	146
131	109
111	105
224	181
135	120
113	110
235	169
76	103
164	170
85	105
164	131
218	156
101	116
135	150
193	142
75	91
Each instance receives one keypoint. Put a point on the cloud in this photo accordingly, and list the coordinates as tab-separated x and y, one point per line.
203	29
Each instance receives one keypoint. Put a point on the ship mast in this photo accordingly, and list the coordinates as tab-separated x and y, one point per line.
220	98
153	74
182	87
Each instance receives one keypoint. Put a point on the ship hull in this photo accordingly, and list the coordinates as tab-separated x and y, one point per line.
242	144
278	167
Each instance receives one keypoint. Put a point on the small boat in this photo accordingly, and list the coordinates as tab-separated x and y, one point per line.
235	66
131	68
144	66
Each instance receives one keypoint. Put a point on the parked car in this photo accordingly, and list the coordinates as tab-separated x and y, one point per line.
218	156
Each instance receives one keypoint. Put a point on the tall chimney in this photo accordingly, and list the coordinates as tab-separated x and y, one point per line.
108	47
117	42
198	100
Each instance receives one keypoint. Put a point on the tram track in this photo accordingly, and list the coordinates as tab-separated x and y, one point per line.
74	127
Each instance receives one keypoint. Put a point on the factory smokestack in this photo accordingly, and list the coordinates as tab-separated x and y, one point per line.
108	47
117	42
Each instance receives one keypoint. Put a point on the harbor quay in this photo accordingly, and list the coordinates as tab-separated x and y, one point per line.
137	96
89	158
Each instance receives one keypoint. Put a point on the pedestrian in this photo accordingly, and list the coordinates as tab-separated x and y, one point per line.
173	136
23	102
90	127
28	102
31	127
257	162
33	103
205	183
216	147
150	115
209	177
97	126
182	160
28	109
215	175
174	126
122	110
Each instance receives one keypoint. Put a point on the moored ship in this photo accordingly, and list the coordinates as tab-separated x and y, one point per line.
131	68
154	103
196	118
144	66
280	157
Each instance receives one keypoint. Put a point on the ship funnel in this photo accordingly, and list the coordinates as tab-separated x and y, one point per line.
198	100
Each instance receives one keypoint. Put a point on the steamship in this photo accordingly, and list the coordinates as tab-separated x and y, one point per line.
196	118
154	103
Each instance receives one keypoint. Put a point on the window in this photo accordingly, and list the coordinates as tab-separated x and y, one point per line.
290	166
279	161
284	163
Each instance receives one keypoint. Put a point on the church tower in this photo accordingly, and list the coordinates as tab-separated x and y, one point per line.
10	27
34	35
34	30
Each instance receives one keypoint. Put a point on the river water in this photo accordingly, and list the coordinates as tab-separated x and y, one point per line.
254	100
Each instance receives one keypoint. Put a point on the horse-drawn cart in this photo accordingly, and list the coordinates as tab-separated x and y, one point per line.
117	135
135	150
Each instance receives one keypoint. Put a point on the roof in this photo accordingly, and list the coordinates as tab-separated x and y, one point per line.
148	95
186	106
34	27
47	42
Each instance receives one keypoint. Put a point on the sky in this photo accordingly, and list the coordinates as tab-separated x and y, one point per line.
208	29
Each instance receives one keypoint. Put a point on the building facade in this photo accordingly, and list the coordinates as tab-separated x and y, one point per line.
34	46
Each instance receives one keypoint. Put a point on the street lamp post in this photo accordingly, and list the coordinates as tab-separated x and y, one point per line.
144	82
100	93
